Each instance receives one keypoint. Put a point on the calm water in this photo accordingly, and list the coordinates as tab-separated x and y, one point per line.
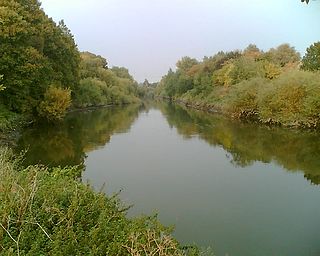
239	188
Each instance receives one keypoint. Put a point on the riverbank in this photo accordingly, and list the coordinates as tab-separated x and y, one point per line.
48	211
292	100
272	87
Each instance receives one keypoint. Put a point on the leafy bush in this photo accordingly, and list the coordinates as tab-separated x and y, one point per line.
286	99
242	100
55	103
47	212
9	120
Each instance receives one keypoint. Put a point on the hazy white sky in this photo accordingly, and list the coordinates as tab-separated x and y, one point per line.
149	36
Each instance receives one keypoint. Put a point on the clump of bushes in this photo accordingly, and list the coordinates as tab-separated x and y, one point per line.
49	212
293	99
242	100
55	103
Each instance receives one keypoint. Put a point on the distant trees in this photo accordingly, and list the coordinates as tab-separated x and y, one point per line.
100	85
186	63
282	55
311	60
121	72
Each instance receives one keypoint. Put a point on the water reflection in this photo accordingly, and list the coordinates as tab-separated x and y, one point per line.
294	150
246	143
68	142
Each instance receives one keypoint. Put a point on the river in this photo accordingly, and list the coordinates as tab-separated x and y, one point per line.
239	188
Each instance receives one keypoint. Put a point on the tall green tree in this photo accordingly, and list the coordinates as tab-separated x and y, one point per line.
311	60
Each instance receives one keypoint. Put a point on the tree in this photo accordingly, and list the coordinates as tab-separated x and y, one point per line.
282	55
146	83
252	51
186	63
121	72
35	52
100	85
311	60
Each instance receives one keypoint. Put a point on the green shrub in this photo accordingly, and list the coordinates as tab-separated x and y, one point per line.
311	105
55	103
284	100
242	100
9	120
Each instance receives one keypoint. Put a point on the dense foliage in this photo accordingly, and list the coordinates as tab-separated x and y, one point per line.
311	61
38	55
102	86
266	86
35	52
49	212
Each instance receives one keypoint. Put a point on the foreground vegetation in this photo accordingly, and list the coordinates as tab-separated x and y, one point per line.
271	87
49	212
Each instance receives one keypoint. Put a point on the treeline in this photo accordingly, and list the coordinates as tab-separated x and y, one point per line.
272	87
42	71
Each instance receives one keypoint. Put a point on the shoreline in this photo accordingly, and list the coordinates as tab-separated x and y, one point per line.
243	117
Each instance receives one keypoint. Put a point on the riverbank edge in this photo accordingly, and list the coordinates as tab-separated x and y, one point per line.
88	108
251	117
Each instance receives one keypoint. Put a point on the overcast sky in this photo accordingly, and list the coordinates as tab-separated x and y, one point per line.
149	36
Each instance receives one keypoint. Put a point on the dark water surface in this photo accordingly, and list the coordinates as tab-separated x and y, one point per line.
242	189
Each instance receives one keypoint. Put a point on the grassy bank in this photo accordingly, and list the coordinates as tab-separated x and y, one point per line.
49	212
